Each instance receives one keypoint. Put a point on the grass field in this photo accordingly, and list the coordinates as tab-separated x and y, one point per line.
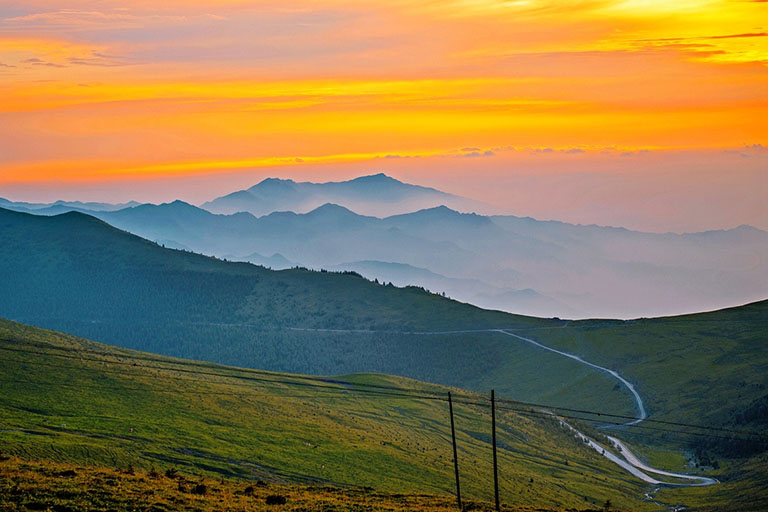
74	401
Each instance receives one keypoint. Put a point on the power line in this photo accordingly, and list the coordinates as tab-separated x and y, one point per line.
326	380
610	415
524	412
267	382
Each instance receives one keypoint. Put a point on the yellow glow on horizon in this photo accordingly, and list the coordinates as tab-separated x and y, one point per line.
86	171
188	89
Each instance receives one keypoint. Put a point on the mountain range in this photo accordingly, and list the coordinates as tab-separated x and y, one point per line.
377	194
66	205
515	264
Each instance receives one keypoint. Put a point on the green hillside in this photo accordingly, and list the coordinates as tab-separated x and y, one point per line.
75	401
79	275
708	368
76	274
118	277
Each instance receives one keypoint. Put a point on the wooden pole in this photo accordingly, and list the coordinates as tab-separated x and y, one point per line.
495	462
455	456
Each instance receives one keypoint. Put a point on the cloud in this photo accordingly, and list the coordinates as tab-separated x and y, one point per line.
98	59
736	36
38	62
749	151
694	38
634	153
477	154
73	17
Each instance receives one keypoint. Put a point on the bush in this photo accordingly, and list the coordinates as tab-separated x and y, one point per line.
276	499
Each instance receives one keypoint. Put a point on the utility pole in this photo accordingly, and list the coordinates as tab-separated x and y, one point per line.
455	456
495	462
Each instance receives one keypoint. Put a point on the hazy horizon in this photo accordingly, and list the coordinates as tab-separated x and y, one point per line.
639	114
656	202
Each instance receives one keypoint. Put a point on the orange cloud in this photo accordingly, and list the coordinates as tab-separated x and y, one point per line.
130	88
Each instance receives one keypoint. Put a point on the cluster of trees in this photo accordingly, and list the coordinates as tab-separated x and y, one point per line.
753	418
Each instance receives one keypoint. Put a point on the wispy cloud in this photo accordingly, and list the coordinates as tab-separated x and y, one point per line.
39	62
233	81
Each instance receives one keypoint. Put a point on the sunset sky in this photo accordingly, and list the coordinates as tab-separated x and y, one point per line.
645	113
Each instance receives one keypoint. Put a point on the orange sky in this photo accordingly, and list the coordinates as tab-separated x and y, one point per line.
115	91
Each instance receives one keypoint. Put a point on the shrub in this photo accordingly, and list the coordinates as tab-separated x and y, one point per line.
276	499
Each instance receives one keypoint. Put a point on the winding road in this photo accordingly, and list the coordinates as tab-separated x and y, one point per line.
641	414
701	481
628	460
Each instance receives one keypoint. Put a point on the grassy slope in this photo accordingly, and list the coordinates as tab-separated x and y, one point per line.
131	408
745	487
77	274
701	368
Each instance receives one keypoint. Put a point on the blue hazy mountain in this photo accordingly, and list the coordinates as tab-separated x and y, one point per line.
65	205
523	265
377	194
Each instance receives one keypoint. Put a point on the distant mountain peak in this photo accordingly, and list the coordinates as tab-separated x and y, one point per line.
381	177
441	214
444	211
179	202
375	194
273	183
275	180
272	188
332	208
